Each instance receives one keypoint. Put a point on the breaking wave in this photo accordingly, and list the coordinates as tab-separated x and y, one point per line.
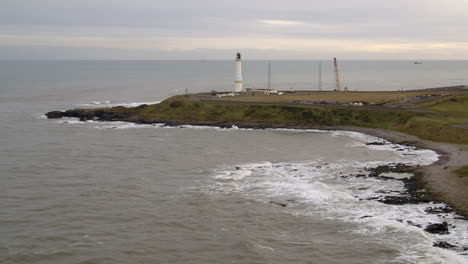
116	103
344	190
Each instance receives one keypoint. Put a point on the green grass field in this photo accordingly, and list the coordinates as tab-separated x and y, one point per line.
463	172
423	125
456	105
369	97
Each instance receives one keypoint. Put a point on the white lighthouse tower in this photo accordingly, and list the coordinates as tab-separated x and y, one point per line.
239	82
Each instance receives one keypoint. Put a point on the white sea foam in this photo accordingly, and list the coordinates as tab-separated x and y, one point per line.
408	154
125	125
334	191
107	125
322	189
108	103
71	120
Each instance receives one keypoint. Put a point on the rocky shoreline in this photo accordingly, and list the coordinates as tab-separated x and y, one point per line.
438	177
435	182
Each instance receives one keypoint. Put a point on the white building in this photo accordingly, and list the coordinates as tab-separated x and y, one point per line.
239	82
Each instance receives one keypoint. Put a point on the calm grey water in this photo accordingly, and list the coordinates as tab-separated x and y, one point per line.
90	192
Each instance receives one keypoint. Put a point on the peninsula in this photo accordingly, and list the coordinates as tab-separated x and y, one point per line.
431	118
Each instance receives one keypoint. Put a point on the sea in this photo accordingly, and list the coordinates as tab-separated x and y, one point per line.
116	192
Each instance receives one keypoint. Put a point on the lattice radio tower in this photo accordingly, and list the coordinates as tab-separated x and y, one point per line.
269	76
320	77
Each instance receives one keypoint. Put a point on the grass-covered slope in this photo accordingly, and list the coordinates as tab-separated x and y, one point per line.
426	126
462	172
456	105
181	110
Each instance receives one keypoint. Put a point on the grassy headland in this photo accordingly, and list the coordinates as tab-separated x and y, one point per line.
429	122
180	109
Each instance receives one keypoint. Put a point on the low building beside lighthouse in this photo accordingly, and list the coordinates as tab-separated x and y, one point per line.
239	81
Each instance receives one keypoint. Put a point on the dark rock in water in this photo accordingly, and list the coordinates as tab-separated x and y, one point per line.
400	200
375	143
390	191
439	210
371	198
277	203
395	168
438	228
443	244
395	200
55	114
238	168
413	224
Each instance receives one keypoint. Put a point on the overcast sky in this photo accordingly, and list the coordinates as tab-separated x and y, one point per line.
216	29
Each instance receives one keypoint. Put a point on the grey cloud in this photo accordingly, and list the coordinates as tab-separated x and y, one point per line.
401	20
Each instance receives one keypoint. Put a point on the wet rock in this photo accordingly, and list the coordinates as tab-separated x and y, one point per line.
439	210
395	168
55	114
443	244
438	228
395	200
278	203
371	198
400	200
413	224
375	143
238	168
389	191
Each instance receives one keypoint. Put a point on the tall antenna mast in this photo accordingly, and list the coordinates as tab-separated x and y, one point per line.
320	77
337	78
269	76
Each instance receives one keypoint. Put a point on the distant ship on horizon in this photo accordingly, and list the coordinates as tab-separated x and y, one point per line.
418	62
